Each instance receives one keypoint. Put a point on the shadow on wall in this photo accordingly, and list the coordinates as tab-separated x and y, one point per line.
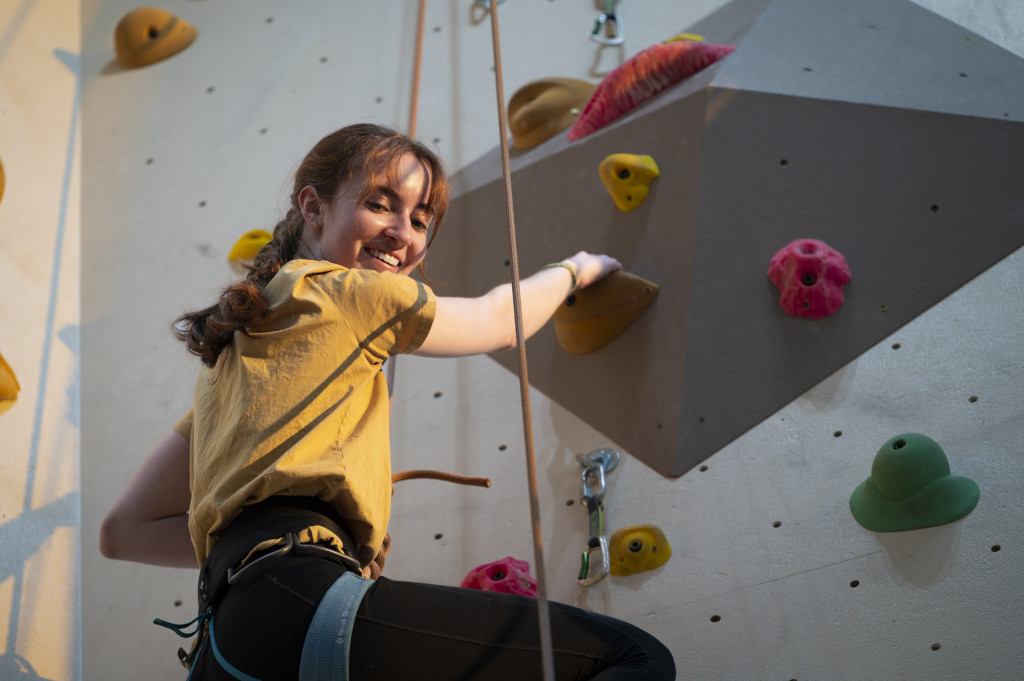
14	667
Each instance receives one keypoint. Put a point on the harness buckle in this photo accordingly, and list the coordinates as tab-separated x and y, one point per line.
235	575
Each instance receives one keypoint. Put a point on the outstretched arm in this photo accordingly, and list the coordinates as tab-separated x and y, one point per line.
470	326
149	522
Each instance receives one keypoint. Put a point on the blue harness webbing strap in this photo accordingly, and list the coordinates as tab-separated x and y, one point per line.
325	654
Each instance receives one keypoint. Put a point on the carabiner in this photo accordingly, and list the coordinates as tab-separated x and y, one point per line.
608	19
596	463
585	489
585	579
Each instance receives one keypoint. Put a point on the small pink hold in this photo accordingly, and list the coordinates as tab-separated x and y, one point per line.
810	276
508	575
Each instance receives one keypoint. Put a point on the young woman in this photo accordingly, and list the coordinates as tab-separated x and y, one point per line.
278	480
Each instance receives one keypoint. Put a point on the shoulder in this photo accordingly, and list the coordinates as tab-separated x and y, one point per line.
348	288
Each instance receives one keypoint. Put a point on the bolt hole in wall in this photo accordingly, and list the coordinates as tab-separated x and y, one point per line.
716	618
438	535
854	584
838	433
996	547
777	523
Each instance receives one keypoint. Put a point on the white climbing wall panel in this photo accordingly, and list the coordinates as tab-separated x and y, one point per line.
771	577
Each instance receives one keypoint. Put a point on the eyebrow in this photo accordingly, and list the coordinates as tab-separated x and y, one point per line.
392	194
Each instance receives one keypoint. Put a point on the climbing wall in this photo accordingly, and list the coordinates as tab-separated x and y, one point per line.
771	576
918	162
40	492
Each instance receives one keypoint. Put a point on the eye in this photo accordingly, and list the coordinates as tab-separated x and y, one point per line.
420	225
376	206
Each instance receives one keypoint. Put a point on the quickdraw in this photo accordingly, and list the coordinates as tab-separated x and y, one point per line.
596	465
610	23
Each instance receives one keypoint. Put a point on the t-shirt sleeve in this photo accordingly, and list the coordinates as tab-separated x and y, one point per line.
184	426
390	313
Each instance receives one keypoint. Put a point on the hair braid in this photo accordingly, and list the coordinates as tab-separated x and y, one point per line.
208	331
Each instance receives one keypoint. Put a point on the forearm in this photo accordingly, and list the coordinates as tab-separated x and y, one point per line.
149	521
469	326
540	295
164	542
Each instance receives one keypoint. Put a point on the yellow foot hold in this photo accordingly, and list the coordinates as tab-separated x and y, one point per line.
147	35
249	244
638	548
628	178
541	109
8	386
591	318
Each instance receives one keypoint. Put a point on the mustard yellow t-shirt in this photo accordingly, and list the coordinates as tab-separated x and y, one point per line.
299	405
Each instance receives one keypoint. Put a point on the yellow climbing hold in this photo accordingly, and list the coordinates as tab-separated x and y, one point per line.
592	317
249	244
692	37
542	108
627	178
8	386
147	35
638	548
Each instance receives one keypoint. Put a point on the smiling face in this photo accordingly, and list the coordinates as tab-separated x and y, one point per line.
380	227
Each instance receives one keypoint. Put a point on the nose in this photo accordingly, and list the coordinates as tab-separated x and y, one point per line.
400	228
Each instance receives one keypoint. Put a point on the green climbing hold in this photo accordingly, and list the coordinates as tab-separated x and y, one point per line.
911	488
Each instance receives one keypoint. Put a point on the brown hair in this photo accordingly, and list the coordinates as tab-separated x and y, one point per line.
364	152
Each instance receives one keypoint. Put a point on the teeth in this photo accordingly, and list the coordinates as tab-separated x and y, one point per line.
384	257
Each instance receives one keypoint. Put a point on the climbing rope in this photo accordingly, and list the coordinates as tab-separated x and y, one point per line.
417	61
547	659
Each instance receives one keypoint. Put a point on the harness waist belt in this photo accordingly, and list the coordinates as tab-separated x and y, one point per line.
279	517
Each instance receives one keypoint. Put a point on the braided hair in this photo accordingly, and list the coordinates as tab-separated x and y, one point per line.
364	153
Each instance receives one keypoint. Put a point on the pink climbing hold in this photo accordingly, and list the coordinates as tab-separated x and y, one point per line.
641	77
508	575
810	276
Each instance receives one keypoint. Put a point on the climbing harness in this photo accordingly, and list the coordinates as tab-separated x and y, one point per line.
610	23
595	466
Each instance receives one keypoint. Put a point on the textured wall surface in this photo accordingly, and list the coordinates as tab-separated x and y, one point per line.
771	576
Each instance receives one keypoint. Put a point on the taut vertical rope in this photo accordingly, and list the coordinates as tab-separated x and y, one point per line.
417	60
547	659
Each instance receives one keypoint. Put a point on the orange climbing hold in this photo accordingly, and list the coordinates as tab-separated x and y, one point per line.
147	35
638	548
8	386
628	177
593	317
543	108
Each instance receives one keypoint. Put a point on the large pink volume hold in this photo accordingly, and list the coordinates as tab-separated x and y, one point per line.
640	78
810	276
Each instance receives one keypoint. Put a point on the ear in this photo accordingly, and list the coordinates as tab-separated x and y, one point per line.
309	206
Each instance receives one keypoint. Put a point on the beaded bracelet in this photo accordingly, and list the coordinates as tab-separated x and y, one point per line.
572	273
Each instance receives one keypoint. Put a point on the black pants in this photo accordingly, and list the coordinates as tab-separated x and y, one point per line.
406	630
